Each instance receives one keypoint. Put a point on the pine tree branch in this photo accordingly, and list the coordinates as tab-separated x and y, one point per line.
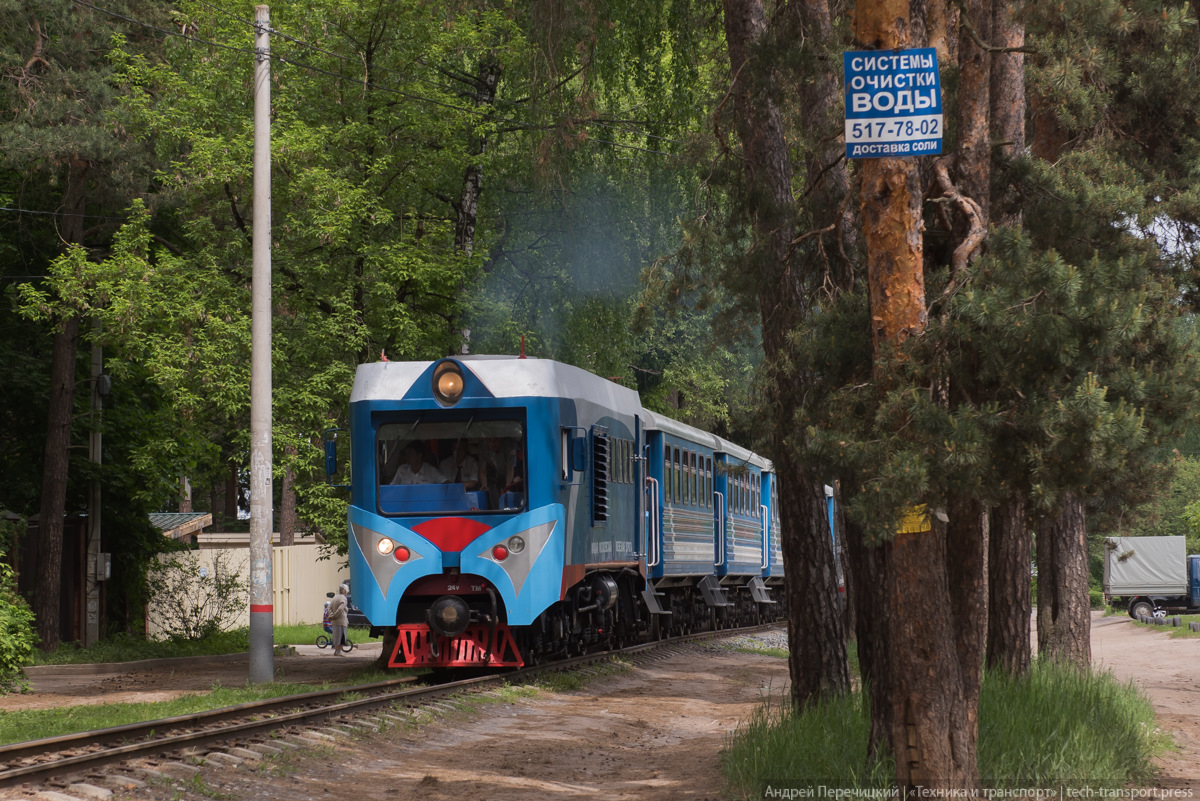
976	231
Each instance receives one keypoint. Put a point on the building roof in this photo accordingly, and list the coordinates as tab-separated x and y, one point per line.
181	524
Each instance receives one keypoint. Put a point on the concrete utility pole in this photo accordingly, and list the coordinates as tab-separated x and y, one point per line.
262	608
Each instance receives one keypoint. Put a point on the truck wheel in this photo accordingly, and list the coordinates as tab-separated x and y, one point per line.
1139	608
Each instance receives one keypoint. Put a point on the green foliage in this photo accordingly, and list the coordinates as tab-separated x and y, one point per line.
1173	512
1061	378
17	635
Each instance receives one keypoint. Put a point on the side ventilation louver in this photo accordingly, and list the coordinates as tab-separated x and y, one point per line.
601	464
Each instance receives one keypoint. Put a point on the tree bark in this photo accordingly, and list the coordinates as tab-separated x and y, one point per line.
287	501
1007	98
931	731
967	536
817	652
1064	607
232	494
818	663
1010	605
467	207
868	581
1007	89
973	154
54	483
58	430
185	494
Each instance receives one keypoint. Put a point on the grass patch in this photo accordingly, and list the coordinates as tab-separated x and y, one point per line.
570	681
1055	728
826	746
34	724
1061	727
124	648
307	633
1178	632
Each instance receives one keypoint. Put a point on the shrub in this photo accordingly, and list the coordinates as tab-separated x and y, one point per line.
191	602
17	635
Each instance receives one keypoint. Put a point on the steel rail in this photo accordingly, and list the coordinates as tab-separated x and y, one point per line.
159	745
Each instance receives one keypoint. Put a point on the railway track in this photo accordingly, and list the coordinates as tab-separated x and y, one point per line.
227	731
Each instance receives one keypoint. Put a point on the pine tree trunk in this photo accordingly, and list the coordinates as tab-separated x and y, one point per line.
1007	90
931	731
817	661
868	582
1064	606
287	502
818	649
54	483
967	535
58	431
1007	97
974	150
1010	604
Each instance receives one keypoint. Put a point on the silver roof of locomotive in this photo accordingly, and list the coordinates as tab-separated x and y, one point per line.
504	377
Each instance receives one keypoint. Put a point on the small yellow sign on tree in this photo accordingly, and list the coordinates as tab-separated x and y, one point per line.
915	520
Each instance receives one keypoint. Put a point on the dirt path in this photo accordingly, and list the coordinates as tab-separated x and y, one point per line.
648	734
1168	672
164	679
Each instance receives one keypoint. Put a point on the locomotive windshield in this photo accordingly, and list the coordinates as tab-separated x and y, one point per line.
431	463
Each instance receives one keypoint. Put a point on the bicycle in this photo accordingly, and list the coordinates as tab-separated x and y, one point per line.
324	641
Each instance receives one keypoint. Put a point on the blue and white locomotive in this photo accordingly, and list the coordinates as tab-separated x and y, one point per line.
505	510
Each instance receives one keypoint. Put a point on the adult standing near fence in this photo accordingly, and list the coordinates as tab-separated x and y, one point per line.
339	619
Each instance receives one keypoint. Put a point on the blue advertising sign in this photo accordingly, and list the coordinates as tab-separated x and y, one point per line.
893	103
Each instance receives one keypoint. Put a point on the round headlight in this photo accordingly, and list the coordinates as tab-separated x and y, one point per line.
385	546
401	554
448	383
499	553
516	544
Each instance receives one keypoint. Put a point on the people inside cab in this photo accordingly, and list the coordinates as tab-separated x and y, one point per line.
462	468
415	470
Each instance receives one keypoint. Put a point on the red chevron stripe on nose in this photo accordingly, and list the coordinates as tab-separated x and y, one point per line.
451	533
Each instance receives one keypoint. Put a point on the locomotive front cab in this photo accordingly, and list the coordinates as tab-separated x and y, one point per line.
443	518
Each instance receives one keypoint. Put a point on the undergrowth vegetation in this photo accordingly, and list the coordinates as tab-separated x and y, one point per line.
125	648
1056	728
